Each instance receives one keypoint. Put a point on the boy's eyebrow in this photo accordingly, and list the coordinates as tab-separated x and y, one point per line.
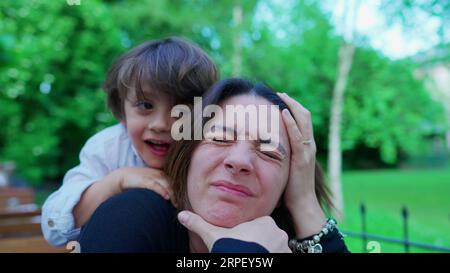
144	94
151	94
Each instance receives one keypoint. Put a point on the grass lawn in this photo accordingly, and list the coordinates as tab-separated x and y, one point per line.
426	194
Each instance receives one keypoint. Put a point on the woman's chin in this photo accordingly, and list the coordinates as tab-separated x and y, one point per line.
223	217
224	223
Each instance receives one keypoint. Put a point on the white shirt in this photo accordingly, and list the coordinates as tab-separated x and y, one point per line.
108	150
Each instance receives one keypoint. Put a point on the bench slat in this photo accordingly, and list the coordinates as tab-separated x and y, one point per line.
35	244
20	226
8	213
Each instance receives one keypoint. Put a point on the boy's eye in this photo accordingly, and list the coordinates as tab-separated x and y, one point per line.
144	105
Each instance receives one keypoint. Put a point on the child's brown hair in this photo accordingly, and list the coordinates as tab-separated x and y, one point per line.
173	66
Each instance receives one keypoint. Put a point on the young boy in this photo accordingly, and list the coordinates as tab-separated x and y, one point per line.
142	86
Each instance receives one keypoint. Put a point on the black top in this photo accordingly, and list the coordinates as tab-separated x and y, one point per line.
136	220
140	220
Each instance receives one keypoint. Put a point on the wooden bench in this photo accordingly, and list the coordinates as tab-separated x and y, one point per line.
24	220
15	196
20	227
28	210
33	244
20	231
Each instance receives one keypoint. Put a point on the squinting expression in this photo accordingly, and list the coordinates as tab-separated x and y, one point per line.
234	181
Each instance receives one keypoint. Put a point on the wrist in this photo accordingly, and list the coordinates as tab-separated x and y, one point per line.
113	182
308	217
315	243
93	197
304	203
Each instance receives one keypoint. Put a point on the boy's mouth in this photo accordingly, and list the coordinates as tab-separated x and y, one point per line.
157	147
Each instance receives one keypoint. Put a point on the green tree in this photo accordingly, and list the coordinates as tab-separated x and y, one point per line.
387	108
54	58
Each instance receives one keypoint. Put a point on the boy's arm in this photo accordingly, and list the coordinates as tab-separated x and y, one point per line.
95	195
86	186
116	182
57	221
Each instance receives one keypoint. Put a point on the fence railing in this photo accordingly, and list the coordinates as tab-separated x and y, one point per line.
406	242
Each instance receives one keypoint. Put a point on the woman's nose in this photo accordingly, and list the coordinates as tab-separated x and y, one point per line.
239	160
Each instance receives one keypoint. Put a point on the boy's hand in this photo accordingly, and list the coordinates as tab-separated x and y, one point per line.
146	178
116	182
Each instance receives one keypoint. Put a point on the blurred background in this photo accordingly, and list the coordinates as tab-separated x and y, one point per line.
374	74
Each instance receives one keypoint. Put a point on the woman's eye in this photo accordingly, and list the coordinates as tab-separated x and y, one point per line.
220	140
272	155
145	106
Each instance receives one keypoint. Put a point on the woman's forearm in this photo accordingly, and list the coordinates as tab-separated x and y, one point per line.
308	217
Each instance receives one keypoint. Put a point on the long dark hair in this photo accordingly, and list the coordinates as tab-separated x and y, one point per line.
179	157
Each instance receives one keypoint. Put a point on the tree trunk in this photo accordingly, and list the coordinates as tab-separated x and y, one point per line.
237	58
346	53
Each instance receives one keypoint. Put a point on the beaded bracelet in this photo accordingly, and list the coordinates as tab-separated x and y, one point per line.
313	246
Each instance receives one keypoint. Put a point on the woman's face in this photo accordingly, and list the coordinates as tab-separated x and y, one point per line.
234	181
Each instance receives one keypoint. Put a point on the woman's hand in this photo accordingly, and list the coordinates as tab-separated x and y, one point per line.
300	197
262	231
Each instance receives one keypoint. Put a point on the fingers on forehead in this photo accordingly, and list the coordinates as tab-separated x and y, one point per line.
300	114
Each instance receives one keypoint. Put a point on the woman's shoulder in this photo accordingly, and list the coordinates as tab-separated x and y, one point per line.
137	220
144	200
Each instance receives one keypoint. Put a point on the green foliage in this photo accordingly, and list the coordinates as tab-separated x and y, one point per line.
416	15
387	108
54	57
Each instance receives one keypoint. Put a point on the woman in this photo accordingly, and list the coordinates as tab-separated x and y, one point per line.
230	187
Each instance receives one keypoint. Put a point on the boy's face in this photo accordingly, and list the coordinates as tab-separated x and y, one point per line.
148	123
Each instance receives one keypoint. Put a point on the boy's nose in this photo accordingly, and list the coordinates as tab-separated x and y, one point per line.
160	123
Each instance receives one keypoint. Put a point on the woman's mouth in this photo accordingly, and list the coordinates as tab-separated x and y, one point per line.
157	147
228	187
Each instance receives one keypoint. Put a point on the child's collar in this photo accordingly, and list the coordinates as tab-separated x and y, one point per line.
139	160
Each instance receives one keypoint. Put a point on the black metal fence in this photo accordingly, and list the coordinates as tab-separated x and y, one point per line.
406	242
